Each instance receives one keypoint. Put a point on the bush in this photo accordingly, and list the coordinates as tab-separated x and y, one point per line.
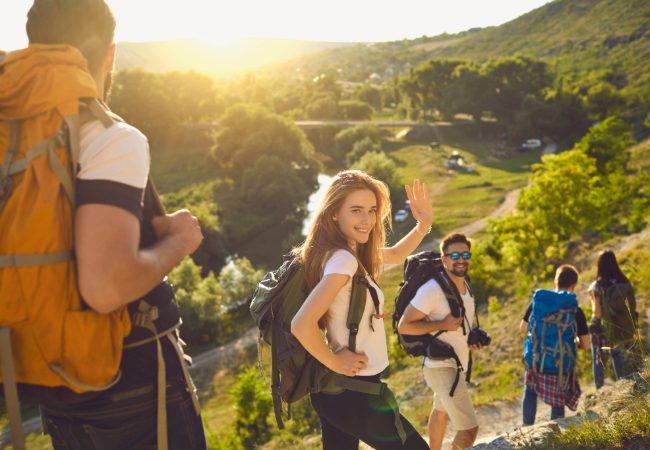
213	308
252	407
346	139
360	148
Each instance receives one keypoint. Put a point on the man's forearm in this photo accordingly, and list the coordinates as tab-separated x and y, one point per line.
420	327
147	269
133	277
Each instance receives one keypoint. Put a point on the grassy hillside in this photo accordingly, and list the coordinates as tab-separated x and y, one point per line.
581	34
589	38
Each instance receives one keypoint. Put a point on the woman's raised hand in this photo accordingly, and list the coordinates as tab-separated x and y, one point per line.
420	202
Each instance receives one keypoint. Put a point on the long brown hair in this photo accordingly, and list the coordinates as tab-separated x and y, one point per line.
608	268
325	235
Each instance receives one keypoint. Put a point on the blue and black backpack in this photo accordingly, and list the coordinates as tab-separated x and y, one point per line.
549	346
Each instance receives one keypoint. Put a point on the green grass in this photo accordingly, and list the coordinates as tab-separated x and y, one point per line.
461	198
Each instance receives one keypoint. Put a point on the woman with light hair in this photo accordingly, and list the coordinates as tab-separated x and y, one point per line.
348	234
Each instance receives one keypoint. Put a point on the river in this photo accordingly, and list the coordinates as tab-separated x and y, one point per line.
315	200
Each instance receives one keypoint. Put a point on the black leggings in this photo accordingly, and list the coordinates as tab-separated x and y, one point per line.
351	416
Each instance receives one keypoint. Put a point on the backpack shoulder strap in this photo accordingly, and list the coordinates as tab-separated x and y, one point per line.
94	109
451	293
358	297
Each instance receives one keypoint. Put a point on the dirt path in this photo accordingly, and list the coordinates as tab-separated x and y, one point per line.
496	419
501	417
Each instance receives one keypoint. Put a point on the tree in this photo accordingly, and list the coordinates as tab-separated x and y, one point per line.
427	84
346	138
200	199
511	80
360	148
560	203
192	95
160	104
604	100
608	142
369	94
141	99
270	188
355	110
247	132
566	119
272	169
323	108
467	92
382	167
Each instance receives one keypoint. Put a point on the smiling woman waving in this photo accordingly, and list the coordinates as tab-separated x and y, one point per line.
347	241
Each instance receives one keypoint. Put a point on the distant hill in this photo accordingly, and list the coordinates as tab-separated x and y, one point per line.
215	59
576	35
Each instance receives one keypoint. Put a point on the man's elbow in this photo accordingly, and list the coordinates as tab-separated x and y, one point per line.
99	295
403	327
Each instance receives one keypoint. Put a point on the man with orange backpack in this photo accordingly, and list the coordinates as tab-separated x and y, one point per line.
89	326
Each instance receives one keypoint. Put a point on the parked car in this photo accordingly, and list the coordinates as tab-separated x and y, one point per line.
401	215
530	144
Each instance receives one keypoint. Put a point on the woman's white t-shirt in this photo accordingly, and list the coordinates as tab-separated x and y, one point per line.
430	300
369	342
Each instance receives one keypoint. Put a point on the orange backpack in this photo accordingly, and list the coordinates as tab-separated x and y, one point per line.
56	340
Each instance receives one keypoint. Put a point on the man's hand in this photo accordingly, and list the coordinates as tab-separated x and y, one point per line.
182	228
451	323
475	346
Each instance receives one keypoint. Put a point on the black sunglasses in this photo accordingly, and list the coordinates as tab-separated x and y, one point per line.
456	255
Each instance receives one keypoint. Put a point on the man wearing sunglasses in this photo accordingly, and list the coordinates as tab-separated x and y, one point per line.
429	312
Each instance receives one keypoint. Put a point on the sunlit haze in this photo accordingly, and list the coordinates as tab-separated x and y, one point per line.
334	20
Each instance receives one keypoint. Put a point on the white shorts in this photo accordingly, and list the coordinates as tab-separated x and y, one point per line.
459	407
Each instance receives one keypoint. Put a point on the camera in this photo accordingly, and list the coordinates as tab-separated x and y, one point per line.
478	336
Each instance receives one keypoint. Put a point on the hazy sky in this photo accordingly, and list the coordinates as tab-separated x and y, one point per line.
332	20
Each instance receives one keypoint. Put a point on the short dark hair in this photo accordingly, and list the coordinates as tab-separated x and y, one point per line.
453	238
88	25
566	276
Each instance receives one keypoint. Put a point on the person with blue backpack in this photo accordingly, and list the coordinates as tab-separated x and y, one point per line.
553	321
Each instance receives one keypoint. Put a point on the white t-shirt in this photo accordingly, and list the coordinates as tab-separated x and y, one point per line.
118	153
430	300
113	166
369	342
